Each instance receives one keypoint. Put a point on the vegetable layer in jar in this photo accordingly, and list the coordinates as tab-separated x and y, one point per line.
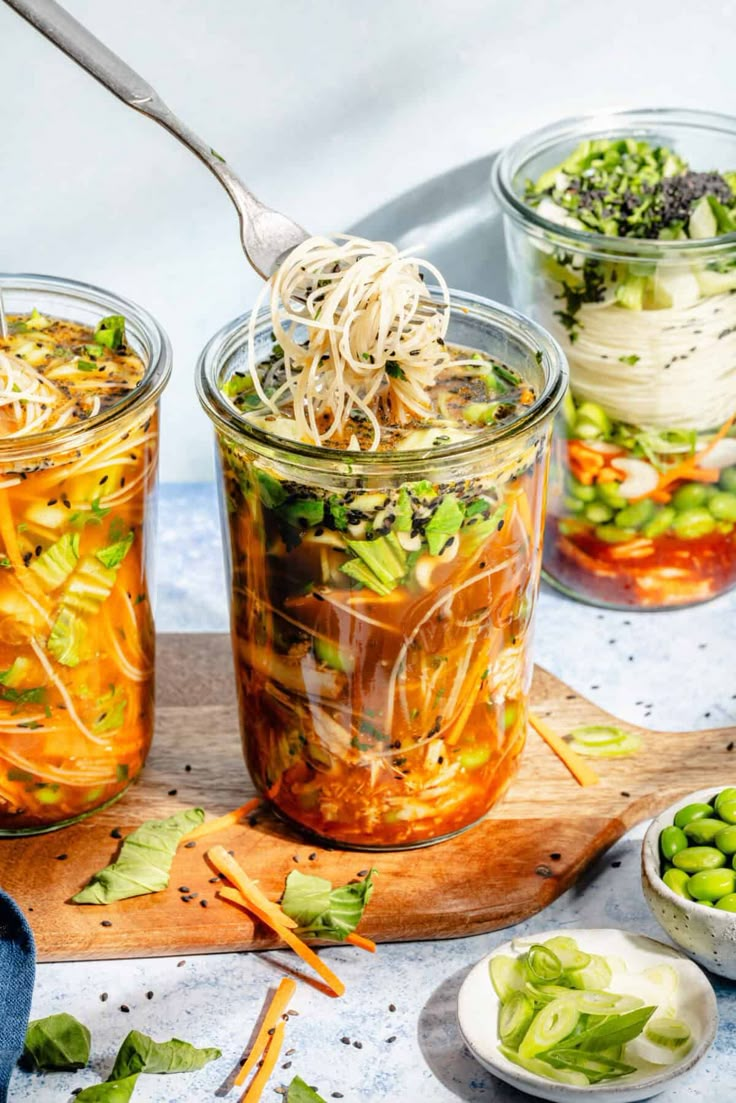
643	509
381	624
76	633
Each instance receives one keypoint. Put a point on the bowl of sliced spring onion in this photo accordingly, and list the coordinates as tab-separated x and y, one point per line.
574	1014
689	876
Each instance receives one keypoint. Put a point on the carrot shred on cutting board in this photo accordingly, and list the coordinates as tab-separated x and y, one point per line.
279	1002
353	938
580	770
261	1078
271	915
248	889
228	820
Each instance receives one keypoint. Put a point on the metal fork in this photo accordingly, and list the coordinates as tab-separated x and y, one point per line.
267	236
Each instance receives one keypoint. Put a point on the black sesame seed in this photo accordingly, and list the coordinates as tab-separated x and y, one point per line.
203	904
345	1041
357	1045
172	792
124	1008
392	1007
61	857
106	923
103	997
183	888
188	768
149	995
391	1039
615	865
555	856
116	833
190	845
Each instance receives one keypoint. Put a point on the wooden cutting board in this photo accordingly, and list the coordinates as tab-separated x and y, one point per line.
521	857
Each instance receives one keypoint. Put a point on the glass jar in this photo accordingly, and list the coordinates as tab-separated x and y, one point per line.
642	506
77	650
392	713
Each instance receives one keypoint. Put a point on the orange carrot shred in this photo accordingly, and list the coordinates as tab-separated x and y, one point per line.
271	915
236	897
261	1078
279	1002
361	942
228	820
580	770
247	889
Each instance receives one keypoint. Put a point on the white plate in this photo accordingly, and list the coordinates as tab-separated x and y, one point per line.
478	1014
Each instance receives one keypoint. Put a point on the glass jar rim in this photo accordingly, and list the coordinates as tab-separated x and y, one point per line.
226	418
603	124
158	368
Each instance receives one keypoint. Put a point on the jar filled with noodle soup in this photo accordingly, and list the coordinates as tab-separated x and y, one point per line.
621	234
81	372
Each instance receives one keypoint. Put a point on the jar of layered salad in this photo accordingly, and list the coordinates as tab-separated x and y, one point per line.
384	576
621	236
81	372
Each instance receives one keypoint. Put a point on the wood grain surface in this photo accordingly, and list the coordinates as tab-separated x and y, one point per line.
526	852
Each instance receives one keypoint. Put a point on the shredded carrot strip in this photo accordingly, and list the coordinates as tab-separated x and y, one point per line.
236	897
722	432
362	943
261	1078
279	1002
286	934
228	820
580	770
246	888
689	469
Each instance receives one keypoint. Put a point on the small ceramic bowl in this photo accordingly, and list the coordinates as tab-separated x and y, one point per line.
706	934
478	1007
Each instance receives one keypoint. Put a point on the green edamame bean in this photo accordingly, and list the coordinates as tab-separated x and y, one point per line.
672	840
579	490
725	840
573	505
696	811
610	495
677	880
611	534
723	506
692	523
635	515
598	512
693	859
727	903
727	811
659	524
727	794
712	884
689	496
728	479
703	832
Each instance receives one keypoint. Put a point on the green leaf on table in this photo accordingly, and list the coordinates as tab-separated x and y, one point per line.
324	912
112	1091
139	1053
58	1043
144	862
299	1092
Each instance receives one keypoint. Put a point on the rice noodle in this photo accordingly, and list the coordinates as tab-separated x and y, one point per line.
374	345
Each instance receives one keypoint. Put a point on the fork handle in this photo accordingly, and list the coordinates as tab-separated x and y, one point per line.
61	28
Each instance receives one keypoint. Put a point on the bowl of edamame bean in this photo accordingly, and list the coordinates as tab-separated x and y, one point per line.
689	876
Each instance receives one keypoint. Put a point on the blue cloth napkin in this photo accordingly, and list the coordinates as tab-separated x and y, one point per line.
17	973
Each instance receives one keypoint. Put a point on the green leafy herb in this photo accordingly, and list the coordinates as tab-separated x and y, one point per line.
403	514
114	554
423	489
394	369
86	365
112	1091
34	696
324	912
4	561
16	672
144	862
139	1053
94	516
112	713
238	383
58	1042
299	1092
614	1030
630	360
54	566
271	490
111	332
66	639
444	523
339	513
304	513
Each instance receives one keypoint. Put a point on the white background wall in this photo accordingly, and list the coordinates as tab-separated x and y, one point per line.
327	108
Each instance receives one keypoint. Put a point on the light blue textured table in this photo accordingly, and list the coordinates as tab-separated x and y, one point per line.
667	670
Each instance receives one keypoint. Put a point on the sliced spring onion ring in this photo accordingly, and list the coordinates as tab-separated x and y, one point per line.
542	964
541	1068
514	1019
551	1025
507	976
671	1033
596	974
604	741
